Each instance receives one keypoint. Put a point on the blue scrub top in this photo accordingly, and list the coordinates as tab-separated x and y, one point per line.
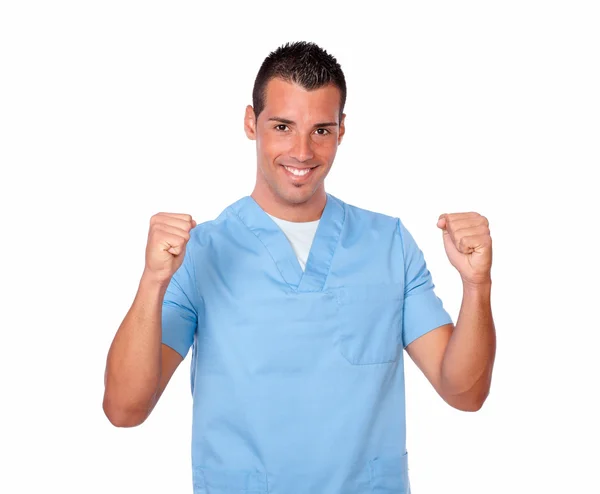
297	376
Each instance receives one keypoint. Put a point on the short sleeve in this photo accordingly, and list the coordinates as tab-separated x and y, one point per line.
179	311
423	310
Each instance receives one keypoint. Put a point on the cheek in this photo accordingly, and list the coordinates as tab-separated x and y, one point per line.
328	150
270	148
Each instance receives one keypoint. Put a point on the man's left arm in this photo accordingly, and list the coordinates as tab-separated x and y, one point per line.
458	361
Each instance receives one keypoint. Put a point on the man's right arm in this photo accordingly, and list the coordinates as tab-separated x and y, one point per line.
139	365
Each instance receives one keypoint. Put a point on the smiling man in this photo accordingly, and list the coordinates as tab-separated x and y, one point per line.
297	307
296	141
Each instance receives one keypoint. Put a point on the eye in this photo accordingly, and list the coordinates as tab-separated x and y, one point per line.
324	133
278	127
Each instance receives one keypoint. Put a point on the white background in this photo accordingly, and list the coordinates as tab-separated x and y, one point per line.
113	111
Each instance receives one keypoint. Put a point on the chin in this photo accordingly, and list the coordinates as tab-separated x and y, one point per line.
298	196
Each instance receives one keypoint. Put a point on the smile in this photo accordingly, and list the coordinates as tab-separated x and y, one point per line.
299	172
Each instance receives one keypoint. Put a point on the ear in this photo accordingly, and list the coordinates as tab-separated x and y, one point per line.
250	123
342	129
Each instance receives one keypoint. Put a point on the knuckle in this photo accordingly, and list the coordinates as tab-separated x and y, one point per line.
157	218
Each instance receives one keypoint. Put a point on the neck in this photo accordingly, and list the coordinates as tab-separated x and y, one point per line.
310	210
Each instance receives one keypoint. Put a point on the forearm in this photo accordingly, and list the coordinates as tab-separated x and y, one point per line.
469	357
134	359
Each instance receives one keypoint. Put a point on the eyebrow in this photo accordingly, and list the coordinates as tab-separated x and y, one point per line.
291	122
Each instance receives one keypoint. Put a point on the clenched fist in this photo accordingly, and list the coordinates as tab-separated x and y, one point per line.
168	236
468	245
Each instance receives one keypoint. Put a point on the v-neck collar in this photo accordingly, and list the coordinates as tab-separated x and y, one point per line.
313	278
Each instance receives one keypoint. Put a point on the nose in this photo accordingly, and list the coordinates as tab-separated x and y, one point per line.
302	149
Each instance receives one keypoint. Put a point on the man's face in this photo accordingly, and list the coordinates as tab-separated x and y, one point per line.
297	135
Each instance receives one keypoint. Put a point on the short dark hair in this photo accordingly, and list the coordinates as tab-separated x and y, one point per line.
303	63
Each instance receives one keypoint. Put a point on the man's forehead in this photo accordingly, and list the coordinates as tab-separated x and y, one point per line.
289	100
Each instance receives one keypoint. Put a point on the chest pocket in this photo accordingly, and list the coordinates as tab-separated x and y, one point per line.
369	323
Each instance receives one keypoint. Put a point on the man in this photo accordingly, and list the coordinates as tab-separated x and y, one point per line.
297	307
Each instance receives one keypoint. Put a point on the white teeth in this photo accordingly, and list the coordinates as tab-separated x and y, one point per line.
295	171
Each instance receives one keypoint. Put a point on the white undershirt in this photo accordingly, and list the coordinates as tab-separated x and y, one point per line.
300	236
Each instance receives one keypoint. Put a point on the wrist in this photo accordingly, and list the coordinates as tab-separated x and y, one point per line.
483	286
151	281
